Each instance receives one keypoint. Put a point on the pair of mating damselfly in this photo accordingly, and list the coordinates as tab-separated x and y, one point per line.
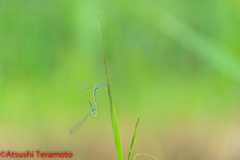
92	113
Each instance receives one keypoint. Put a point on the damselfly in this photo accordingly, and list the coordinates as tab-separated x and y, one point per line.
87	87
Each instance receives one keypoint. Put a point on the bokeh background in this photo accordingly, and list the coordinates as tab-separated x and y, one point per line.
175	63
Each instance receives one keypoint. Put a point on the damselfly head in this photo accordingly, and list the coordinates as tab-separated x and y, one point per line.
104	85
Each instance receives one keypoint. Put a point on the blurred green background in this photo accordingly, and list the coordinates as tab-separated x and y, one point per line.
175	63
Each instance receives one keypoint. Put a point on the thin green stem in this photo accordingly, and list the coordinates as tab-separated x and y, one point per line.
112	109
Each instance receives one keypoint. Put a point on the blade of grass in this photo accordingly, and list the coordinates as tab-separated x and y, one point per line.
133	139
144	154
112	109
202	46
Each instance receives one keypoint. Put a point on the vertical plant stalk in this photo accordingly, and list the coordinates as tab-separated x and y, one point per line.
112	109
132	143
133	140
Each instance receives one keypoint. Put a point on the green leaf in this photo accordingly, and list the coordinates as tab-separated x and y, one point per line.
116	133
133	139
112	109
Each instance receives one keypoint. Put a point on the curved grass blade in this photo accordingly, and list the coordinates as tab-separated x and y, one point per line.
133	139
112	109
144	154
79	125
204	48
